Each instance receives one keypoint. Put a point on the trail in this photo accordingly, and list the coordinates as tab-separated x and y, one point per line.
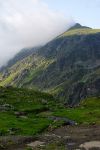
66	138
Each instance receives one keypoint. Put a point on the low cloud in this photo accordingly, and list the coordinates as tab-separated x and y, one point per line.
27	23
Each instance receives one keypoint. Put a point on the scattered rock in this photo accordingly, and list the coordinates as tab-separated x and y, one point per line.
71	144
6	107
65	120
12	131
66	137
23	117
52	135
35	144
90	145
20	114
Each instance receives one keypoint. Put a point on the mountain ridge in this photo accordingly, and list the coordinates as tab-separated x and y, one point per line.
78	26
68	66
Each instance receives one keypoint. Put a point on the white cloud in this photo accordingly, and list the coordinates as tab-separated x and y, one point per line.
26	23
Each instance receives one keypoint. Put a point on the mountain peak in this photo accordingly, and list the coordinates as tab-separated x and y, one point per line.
78	26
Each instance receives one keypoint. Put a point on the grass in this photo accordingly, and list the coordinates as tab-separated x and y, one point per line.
28	68
37	108
82	31
8	80
34	72
87	113
28	101
27	126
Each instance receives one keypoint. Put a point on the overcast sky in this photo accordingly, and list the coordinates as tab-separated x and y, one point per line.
28	23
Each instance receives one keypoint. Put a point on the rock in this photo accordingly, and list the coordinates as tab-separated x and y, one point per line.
90	145
6	107
23	117
35	144
20	114
12	131
66	121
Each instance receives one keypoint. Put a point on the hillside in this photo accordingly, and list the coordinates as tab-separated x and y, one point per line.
68	66
28	112
25	52
19	109
24	114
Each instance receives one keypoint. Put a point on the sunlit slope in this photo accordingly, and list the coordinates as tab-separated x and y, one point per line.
83	31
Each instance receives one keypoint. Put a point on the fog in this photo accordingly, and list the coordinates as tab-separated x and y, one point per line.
27	23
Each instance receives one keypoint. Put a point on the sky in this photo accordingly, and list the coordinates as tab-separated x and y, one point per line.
86	12
29	23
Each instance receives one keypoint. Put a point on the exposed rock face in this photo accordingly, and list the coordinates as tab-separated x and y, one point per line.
82	90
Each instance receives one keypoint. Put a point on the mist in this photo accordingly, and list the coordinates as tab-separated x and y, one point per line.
28	23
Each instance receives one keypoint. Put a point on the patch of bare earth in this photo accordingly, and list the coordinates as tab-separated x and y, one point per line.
68	137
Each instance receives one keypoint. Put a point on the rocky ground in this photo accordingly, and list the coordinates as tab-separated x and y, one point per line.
64	138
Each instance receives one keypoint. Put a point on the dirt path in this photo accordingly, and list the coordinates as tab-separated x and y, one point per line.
73	138
65	138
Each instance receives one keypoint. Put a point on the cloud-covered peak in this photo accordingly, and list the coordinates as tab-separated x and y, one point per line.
26	23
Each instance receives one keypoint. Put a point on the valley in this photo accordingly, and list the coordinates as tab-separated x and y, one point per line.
50	95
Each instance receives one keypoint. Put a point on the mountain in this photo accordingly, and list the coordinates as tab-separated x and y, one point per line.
25	52
78	26
68	66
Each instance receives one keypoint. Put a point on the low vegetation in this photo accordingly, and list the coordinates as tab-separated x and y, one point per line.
19	109
28	112
82	31
88	112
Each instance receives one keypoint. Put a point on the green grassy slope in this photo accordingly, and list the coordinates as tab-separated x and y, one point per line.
27	102
23	72
83	31
28	112
88	112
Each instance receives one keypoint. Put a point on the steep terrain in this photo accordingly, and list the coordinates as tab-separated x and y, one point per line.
68	66
25	52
